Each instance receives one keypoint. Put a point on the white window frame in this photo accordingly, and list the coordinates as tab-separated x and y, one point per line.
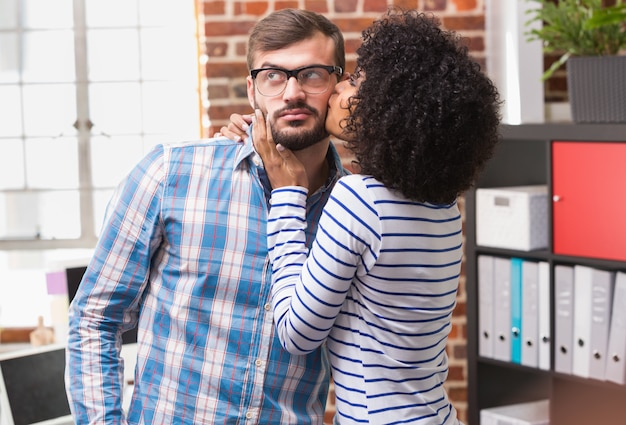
89	225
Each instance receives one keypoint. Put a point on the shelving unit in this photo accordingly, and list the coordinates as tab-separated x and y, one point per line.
524	157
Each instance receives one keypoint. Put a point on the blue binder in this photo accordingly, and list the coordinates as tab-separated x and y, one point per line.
516	310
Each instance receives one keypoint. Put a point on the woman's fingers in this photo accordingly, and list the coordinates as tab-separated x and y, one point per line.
237	127
260	135
282	168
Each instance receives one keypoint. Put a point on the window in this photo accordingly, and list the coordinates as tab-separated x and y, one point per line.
87	87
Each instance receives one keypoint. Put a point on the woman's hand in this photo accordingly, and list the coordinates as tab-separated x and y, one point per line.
282	167
237	127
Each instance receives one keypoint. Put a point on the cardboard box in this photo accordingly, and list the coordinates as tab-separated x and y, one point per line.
531	413
514	217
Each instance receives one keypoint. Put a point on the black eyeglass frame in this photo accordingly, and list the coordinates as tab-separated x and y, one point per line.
331	69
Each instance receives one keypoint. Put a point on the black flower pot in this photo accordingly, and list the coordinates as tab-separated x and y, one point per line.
597	88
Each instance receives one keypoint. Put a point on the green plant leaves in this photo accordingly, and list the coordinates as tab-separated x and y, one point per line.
578	27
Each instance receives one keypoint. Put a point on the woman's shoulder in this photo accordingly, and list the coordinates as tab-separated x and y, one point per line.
364	183
359	180
362	188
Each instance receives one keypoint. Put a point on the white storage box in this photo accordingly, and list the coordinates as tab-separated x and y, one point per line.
532	413
514	217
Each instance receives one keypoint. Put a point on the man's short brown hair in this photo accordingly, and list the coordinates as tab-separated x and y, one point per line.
285	27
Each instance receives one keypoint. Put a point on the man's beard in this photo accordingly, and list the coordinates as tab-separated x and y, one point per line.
302	139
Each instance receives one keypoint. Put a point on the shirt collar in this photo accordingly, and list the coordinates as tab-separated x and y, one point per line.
247	151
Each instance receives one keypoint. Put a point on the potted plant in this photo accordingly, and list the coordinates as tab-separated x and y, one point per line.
590	36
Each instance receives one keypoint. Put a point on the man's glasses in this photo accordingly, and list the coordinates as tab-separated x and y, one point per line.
313	79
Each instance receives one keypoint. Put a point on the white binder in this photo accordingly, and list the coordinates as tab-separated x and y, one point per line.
530	313
564	310
582	320
485	306
545	316
616	366
601	302
502	309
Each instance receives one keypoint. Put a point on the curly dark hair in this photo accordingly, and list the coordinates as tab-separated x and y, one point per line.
425	118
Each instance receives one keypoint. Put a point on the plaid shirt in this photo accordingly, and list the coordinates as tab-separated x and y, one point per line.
184	249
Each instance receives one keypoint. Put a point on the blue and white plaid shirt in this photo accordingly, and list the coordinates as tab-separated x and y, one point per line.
184	248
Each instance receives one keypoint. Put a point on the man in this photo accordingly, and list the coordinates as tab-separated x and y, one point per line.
183	253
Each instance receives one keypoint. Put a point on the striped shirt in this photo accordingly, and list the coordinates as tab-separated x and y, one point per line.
184	252
379	286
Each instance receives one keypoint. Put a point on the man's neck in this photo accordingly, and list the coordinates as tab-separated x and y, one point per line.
314	160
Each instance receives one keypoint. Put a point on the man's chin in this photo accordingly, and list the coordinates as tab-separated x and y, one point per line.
298	138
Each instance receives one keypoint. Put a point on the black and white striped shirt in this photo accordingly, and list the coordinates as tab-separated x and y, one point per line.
379	286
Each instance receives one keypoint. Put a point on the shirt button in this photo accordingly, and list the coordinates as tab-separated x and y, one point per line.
267	307
248	415
259	362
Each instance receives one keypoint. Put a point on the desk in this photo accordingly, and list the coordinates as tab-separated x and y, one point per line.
14	346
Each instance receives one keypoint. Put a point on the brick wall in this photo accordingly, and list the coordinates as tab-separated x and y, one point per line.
226	24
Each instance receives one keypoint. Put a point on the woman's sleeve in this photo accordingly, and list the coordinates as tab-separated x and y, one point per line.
309	291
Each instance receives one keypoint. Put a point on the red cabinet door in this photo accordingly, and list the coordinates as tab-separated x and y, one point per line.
589	199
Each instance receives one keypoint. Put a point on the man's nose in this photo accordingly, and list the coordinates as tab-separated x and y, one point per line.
293	89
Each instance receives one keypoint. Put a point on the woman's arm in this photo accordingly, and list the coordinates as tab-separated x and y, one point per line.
308	292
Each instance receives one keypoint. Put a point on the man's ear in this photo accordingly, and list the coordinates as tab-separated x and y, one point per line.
250	91
345	76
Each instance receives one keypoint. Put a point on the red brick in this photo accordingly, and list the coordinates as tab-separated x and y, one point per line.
319	6
353	24
475	44
229	69
214	7
460	23
460	309
453	333
457	394
241	49
257	8
351	44
225	28
350	66
435	5
406	4
456	373
459	352
216	49
345	6
218	91
224	112
279	5
375	6
465	5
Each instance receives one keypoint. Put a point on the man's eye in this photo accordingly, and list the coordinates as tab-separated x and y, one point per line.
311	74
275	76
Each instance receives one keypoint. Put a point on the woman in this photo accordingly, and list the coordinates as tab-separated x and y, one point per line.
380	281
